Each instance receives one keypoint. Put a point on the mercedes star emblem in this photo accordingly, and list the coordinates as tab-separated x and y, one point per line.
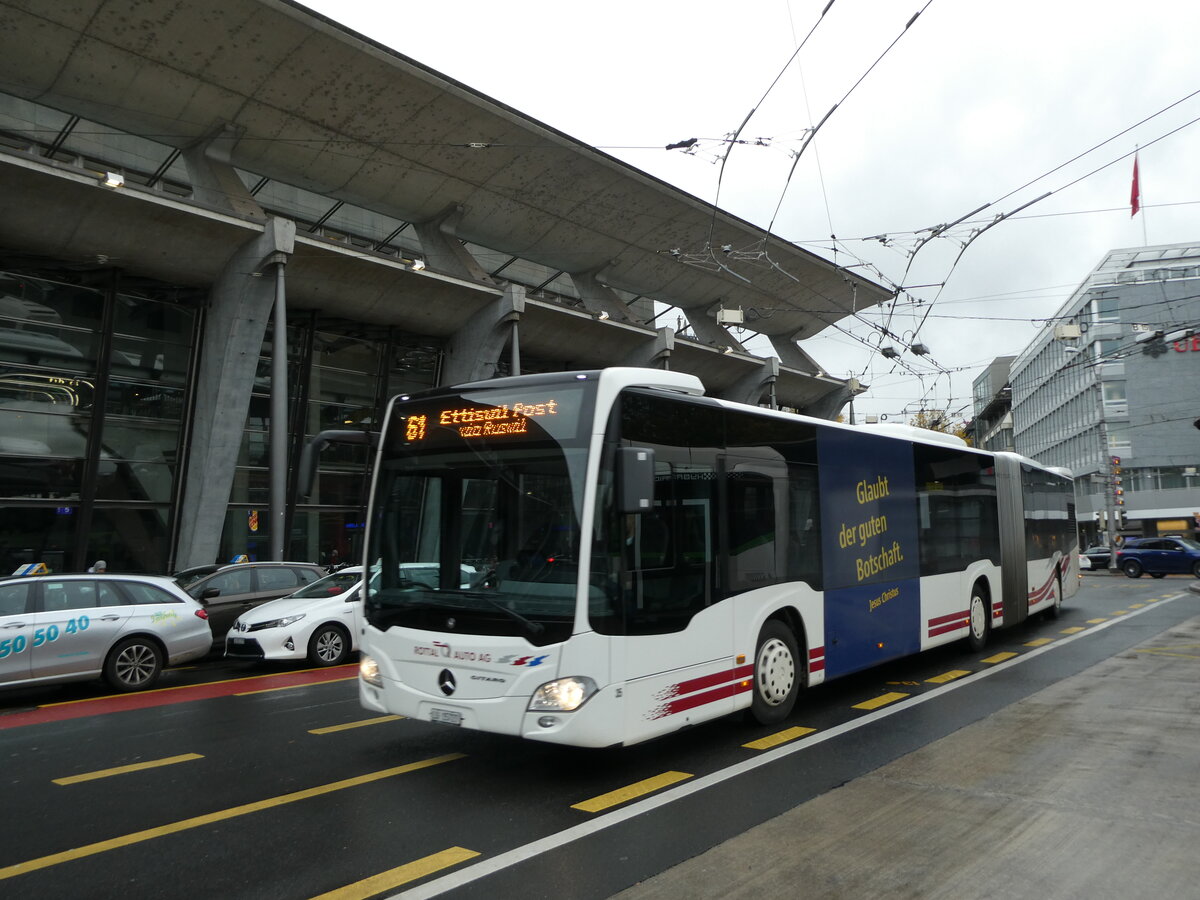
446	682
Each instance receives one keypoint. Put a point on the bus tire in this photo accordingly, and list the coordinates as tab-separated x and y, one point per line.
776	674
1055	609
979	618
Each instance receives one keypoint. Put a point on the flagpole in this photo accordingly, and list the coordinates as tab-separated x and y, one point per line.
1135	198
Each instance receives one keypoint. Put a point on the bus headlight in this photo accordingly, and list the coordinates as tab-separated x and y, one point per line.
368	670
563	695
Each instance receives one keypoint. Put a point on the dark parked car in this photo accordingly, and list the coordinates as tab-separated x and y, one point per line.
1098	556
1159	556
231	590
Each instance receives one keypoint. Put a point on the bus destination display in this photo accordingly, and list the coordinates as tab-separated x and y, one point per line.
493	421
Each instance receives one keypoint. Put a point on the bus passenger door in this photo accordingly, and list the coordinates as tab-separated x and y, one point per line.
677	648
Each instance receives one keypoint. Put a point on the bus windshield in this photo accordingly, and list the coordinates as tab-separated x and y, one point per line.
476	528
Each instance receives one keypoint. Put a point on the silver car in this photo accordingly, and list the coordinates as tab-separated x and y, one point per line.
76	627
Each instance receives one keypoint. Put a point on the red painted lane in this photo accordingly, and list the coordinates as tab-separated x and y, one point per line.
76	709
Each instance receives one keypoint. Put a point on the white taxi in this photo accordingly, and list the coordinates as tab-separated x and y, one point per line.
316	622
126	628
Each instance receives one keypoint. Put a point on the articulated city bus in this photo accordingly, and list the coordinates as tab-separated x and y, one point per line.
598	558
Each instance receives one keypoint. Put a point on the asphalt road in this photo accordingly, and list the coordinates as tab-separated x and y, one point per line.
233	781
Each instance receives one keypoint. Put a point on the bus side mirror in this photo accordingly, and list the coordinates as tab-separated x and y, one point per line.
635	479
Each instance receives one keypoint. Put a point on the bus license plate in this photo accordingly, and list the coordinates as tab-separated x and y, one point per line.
445	716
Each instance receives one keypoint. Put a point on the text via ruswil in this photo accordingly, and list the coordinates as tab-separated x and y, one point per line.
861	535
482	421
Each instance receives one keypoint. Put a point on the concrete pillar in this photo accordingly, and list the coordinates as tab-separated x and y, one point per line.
443	250
792	356
472	353
234	325
707	330
751	386
831	405
214	181
600	298
655	353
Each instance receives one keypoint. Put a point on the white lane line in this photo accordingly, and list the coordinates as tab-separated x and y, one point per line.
518	855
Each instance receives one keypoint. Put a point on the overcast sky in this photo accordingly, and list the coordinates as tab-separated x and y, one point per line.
973	102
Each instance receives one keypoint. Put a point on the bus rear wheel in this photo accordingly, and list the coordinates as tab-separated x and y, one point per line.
776	674
979	620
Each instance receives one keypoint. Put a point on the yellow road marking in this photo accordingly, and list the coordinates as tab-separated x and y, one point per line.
1136	605
625	794
1157	652
1121	612
1040	642
288	687
948	676
133	767
1073	630
44	862
1096	621
178	687
329	729
393	878
780	737
881	700
1000	657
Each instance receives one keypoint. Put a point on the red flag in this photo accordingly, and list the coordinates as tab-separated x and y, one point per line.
1135	195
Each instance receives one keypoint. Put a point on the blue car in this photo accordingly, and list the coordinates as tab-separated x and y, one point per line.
1159	556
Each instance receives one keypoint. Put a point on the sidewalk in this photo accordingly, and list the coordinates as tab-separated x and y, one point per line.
1087	789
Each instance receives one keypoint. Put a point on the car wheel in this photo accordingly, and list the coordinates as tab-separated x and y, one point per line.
329	646
979	620
1132	568
1196	570
776	678
133	665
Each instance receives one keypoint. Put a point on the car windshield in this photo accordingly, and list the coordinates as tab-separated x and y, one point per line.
191	576
330	585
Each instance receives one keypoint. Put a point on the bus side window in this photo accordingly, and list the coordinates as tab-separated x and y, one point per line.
753	549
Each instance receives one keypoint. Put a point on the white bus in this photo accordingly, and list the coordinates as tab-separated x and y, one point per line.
603	557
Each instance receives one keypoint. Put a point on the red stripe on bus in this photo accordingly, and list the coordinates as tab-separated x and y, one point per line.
957	617
683	704
947	628
1047	589
816	660
705	681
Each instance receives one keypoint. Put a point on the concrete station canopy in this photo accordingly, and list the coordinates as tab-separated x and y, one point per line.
294	97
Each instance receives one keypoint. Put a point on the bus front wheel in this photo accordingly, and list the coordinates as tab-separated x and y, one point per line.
979	620
776	675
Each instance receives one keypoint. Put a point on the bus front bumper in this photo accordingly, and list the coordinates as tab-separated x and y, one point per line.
597	723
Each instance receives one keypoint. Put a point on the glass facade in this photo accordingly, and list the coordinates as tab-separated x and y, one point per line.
92	402
94	409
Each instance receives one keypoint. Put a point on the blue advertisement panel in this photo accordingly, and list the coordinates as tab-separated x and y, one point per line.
869	537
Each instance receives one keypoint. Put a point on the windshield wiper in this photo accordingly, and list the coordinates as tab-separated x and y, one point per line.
534	627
